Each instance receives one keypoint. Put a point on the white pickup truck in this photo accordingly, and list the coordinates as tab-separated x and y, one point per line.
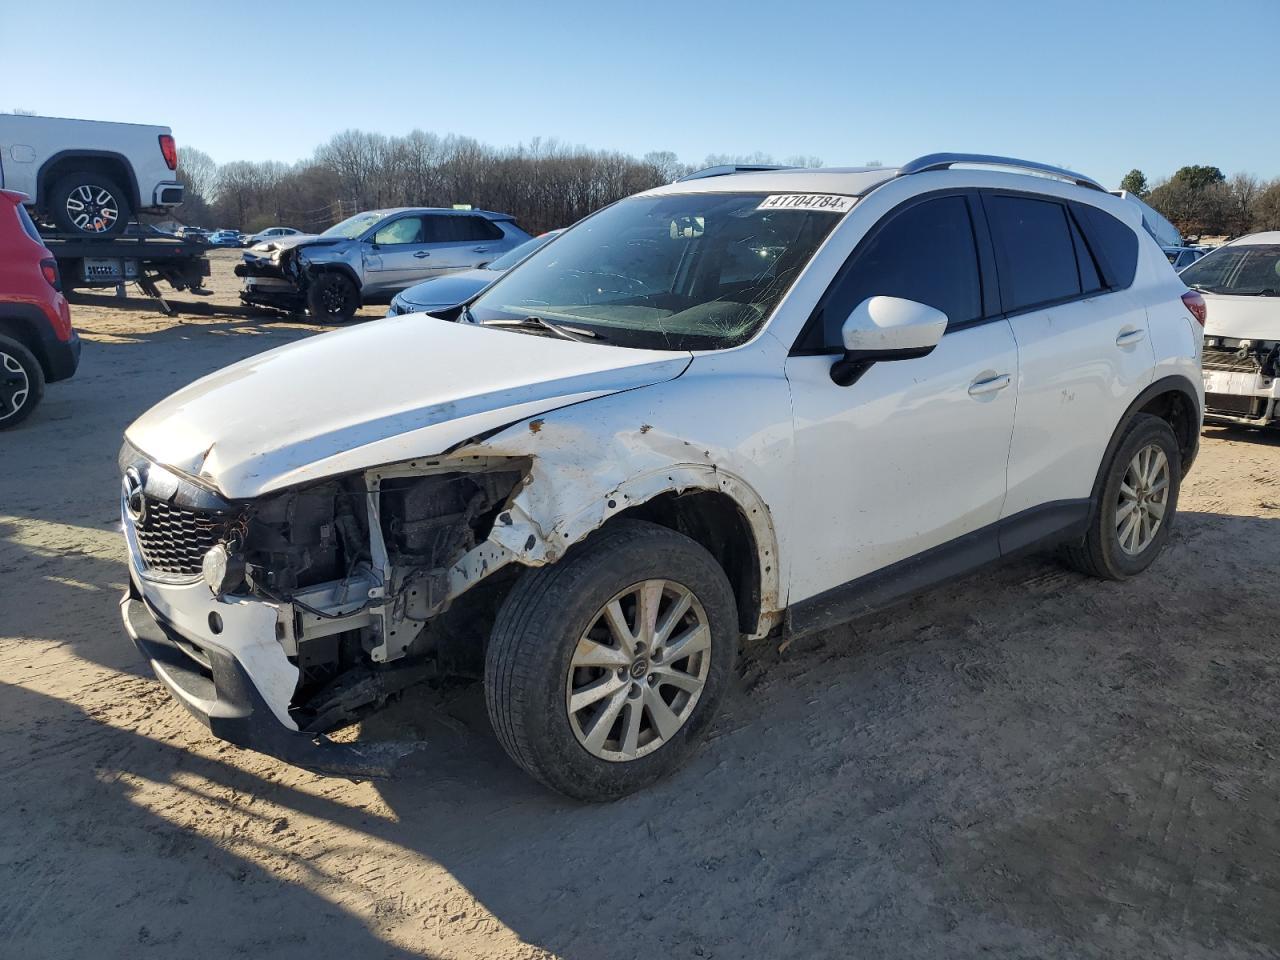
88	178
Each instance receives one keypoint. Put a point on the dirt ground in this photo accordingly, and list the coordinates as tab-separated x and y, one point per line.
1024	764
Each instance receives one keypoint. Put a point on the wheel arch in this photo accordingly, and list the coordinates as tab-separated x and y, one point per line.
1172	399
714	508
25	330
114	165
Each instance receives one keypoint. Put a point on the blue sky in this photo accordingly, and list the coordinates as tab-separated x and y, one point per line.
1096	86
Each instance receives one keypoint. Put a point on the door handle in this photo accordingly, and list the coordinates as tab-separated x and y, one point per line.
989	385
480	249
1127	338
421	253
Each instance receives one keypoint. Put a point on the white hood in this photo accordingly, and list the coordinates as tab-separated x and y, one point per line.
1244	318
385	391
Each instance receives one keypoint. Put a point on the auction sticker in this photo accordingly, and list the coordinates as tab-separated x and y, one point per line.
826	202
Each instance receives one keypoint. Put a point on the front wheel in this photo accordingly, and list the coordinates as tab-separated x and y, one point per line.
332	298
604	669
1135	505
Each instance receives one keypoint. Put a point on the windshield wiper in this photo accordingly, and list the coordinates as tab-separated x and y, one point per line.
559	329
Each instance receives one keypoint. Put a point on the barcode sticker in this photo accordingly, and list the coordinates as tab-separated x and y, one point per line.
825	202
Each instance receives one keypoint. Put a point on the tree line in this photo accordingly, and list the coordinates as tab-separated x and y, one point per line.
543	184
1201	201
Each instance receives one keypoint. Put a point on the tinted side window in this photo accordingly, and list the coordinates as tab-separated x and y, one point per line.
1090	281
461	229
1114	244
1034	251
925	253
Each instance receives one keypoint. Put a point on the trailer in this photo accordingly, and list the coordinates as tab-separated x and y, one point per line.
144	260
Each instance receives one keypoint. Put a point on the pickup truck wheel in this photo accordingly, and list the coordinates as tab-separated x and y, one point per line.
603	669
332	298
89	204
21	383
1135	505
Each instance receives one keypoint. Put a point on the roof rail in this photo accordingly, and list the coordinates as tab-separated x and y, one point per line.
943	161
725	169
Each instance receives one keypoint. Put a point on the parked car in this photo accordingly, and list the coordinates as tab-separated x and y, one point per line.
1164	232
224	238
371	257
37	342
195	233
89	177
731	405
271	233
1240	282
450	292
1182	257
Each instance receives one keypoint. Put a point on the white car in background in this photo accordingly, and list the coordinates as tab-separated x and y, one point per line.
728	406
271	233
1240	282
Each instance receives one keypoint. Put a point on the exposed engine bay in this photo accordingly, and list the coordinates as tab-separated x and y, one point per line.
374	568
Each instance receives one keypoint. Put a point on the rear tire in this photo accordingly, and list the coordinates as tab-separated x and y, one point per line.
557	642
332	298
1134	505
88	204
21	383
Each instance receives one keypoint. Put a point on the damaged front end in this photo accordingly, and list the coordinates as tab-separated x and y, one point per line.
1241	381
277	275
298	613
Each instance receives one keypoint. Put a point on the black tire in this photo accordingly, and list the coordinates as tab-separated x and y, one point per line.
527	664
96	197
1100	553
332	298
21	383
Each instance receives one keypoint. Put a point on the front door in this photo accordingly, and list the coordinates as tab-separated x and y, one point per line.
396	257
911	456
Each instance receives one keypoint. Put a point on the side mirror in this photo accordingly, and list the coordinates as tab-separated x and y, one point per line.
886	328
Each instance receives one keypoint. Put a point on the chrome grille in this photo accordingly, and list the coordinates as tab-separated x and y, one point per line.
175	539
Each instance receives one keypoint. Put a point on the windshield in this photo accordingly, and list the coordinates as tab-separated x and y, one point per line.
516	254
1252	270
353	227
696	271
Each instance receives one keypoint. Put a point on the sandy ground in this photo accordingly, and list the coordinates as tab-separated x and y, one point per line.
1027	763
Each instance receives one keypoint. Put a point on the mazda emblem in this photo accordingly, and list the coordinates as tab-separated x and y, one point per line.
135	501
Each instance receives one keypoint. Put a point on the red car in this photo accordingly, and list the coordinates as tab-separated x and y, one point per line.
37	343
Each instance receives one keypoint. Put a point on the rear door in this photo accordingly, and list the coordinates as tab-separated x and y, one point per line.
1084	352
911	456
463	241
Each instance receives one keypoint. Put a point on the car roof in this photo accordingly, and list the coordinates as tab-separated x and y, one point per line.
487	214
853	181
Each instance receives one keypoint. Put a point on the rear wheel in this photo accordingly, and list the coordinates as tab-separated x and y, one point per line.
21	383
1135	504
332	298
603	669
89	204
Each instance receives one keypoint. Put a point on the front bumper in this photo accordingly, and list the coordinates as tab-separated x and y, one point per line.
216	689
1240	397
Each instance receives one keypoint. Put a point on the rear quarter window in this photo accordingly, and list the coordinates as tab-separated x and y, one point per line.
1113	244
28	227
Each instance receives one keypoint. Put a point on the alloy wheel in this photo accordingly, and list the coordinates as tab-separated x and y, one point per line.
1144	496
15	386
638	670
92	209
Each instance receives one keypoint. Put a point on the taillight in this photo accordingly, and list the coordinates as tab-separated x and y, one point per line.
170	150
49	268
1195	305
